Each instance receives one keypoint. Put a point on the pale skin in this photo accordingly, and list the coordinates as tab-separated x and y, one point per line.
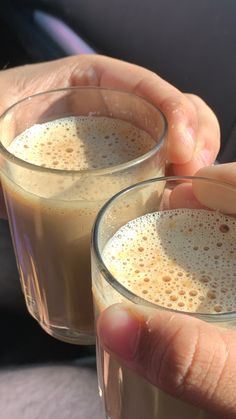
193	142
193	134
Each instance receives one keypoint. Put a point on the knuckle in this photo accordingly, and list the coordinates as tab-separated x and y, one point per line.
179	106
174	356
170	356
178	367
195	99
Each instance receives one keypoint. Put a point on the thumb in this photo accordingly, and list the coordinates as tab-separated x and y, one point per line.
181	355
222	172
221	197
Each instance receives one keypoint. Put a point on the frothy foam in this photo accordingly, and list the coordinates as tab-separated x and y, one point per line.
181	259
78	143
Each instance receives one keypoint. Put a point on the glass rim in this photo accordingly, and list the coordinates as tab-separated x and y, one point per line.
115	283
102	171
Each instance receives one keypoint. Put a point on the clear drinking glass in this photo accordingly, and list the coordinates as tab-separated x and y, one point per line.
51	207
187	246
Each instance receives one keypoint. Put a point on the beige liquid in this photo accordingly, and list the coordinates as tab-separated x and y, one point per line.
52	213
195	272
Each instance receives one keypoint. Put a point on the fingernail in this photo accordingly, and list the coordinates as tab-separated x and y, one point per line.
88	76
92	76
119	330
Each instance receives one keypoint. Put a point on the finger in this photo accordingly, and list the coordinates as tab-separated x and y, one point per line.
208	194
182	356
222	172
217	195
106	72
182	196
207	139
179	111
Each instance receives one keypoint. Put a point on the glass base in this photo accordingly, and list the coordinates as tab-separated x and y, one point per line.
70	336
63	333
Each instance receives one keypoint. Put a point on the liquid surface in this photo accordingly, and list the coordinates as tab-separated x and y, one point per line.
181	259
79	143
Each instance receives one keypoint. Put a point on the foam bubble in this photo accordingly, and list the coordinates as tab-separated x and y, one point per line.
187	258
78	143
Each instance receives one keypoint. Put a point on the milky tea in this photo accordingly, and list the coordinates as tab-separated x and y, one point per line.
181	259
52	213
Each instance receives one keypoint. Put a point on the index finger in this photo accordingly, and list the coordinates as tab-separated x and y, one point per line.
178	109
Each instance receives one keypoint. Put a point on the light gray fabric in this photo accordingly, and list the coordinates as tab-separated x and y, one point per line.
50	392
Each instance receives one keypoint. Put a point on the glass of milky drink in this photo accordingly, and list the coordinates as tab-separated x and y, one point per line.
167	244
63	154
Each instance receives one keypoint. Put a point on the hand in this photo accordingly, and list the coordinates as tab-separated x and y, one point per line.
193	134
193	138
183	356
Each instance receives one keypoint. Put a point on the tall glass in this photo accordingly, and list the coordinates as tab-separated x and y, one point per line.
51	208
125	394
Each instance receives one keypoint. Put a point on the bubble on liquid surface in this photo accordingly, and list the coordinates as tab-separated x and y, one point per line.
83	142
179	256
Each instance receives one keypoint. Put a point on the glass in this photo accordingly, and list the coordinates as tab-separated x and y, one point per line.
185	243
52	205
